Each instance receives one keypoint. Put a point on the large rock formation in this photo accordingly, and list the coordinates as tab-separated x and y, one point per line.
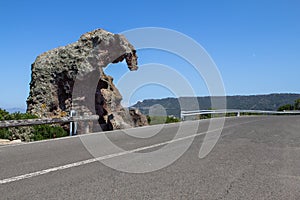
72	78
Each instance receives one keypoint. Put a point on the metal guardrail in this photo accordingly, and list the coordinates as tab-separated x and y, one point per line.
183	114
73	119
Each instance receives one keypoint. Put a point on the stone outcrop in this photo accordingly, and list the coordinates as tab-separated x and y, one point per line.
72	78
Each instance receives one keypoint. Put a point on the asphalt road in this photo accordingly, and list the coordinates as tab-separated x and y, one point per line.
255	158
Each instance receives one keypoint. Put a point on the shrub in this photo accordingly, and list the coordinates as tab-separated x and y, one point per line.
3	114
4	133
153	120
172	119
148	119
286	107
28	133
297	104
42	132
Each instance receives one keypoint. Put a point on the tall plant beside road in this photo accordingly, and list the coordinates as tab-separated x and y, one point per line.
297	104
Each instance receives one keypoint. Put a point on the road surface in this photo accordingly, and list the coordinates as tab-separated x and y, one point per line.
255	158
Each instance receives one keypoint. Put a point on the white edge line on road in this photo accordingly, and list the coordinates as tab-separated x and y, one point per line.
46	171
84	162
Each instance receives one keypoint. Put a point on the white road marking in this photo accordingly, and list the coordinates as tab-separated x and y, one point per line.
46	171
84	162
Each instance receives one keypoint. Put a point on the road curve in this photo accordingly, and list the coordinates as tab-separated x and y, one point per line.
255	158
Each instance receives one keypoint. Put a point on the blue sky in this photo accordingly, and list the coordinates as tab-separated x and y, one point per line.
255	44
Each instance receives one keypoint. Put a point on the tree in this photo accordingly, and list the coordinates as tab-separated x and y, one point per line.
297	104
148	119
286	107
3	114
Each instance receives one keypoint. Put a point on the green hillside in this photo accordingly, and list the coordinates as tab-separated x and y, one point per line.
251	102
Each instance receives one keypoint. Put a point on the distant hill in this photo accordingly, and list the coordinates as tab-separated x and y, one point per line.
251	102
13	110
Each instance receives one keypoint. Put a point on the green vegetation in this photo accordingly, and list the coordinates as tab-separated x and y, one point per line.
30	133
172	119
152	120
3	114
296	106
42	132
286	107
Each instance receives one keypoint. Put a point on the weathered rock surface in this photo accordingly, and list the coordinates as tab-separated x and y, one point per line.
72	77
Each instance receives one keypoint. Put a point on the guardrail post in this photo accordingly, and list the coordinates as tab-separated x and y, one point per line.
86	125
73	125
181	116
